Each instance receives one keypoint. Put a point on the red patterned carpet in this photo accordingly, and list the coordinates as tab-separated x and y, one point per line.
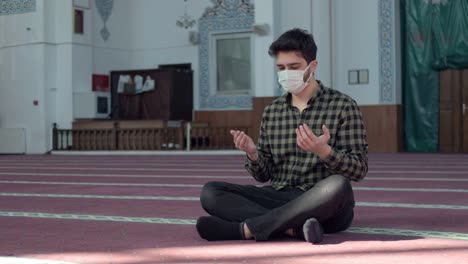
411	208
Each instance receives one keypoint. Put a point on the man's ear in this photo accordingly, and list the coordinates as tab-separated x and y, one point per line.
313	66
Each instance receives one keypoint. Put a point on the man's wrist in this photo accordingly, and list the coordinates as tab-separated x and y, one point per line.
253	156
325	152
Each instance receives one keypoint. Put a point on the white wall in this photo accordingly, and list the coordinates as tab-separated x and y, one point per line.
58	65
48	62
322	32
144	35
45	63
22	75
116	52
82	54
347	37
266	12
310	15
356	46
295	14
157	40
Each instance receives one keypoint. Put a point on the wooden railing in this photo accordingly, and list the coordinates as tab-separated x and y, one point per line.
118	139
212	138
183	137
84	139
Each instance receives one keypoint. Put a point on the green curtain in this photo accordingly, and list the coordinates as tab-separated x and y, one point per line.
435	37
450	28
421	82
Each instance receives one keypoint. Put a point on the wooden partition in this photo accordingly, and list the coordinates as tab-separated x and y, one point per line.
225	118
453	107
210	130
249	119
384	123
214	134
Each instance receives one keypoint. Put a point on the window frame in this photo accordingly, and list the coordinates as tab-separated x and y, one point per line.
213	65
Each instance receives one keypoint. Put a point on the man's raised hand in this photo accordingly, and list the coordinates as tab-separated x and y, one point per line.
308	141
245	143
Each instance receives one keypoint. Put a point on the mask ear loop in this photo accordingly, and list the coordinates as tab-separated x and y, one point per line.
306	71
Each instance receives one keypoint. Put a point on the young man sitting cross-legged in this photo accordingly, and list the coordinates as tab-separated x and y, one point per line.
312	143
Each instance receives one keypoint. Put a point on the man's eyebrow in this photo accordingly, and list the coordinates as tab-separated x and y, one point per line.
290	64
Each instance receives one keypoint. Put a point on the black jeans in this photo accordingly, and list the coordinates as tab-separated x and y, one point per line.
268	212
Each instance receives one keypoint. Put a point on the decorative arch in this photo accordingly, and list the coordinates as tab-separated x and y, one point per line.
225	15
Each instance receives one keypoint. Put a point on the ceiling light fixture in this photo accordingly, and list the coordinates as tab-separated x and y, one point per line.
185	21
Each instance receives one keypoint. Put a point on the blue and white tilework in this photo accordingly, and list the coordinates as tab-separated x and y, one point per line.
386	51
9	7
225	15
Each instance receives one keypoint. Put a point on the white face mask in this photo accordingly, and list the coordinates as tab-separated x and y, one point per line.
292	81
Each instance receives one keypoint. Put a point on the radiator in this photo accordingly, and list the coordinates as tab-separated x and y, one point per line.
12	141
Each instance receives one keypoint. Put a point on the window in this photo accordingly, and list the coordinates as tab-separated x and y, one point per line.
231	67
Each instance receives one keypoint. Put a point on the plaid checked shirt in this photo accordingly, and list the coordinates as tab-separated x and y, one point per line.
284	163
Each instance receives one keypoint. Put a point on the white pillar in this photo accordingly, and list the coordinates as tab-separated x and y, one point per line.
59	26
265	83
322	31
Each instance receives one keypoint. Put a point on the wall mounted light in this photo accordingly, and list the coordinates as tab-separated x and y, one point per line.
261	29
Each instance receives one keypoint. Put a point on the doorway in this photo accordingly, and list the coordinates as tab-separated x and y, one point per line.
453	118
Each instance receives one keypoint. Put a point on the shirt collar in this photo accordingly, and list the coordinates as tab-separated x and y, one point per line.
286	99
